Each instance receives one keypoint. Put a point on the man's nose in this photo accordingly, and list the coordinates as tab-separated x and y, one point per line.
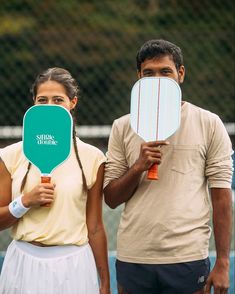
157	75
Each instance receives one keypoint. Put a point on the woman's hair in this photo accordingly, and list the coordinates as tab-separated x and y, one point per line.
63	77
59	75
158	48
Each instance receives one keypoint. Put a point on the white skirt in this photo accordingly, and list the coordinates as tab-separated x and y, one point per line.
29	269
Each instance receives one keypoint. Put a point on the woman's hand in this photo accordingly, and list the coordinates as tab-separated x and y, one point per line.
42	194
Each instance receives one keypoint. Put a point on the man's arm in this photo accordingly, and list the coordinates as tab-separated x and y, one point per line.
222	223
121	190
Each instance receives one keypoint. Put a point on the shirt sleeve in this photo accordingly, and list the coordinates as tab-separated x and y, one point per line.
116	164
9	156
99	159
219	167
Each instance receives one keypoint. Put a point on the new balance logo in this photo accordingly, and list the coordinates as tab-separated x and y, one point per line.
201	279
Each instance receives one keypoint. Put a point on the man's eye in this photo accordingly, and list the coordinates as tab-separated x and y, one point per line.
166	72
148	74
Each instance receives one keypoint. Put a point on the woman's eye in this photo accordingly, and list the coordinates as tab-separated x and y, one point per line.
41	100
58	100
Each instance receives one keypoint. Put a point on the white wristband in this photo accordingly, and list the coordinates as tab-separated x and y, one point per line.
16	207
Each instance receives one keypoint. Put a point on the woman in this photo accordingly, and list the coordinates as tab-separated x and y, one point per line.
58	235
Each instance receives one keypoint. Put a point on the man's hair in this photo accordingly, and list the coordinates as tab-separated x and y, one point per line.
158	48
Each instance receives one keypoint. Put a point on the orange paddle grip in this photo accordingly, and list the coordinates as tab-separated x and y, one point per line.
45	179
153	172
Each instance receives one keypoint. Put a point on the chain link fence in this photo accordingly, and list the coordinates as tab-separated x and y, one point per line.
97	42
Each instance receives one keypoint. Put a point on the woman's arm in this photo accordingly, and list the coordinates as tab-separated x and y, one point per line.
6	218
40	195
96	232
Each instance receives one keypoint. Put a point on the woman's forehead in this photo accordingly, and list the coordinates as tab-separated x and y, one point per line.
51	87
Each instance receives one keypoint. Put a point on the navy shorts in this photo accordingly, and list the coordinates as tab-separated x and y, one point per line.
176	278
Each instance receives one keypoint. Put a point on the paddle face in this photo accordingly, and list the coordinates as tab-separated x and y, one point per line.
155	111
155	108
47	136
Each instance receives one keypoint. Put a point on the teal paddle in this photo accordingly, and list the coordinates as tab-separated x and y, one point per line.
47	137
155	111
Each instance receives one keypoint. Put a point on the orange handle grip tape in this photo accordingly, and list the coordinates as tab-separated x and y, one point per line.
45	179
153	172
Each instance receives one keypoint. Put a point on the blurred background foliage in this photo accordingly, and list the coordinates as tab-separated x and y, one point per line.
97	42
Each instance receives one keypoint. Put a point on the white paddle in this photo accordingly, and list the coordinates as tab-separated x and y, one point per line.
155	111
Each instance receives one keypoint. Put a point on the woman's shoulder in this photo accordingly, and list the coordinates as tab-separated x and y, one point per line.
13	149
12	155
88	148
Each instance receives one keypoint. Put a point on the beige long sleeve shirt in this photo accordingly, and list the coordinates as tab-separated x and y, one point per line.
166	221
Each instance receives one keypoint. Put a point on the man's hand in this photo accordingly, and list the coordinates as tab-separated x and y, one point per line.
150	153
218	278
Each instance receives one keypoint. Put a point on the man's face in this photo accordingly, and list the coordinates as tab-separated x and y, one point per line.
162	67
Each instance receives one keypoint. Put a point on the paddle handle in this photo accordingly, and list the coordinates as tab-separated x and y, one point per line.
153	172
46	178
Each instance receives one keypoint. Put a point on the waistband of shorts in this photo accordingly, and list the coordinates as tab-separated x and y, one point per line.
50	251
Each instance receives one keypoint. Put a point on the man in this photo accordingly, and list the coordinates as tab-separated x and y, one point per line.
163	236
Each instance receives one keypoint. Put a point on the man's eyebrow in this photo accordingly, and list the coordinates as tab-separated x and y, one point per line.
166	67
147	69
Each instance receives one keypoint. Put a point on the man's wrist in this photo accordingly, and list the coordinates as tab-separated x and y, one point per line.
223	262
136	168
